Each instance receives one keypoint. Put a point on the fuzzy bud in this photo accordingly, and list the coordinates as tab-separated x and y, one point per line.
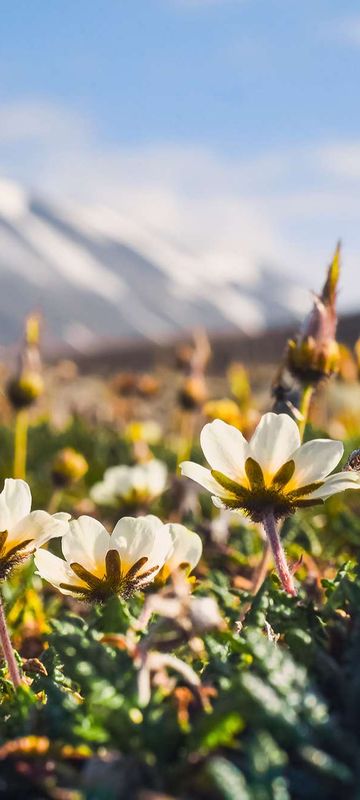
226	410
68	467
147	385
353	462
183	356
239	384
314	354
24	390
192	393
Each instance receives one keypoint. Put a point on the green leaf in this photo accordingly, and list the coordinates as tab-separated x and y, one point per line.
227	779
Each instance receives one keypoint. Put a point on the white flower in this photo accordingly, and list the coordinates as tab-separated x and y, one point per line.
270	476
22	531
186	548
99	564
130	486
273	472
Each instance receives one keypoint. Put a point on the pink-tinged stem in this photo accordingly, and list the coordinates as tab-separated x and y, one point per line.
8	649
281	564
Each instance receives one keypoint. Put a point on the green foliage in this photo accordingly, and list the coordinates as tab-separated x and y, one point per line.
277	714
283	722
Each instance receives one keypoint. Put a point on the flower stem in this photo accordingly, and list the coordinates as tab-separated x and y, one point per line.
54	501
187	426
261	571
281	564
8	649
20	444
305	408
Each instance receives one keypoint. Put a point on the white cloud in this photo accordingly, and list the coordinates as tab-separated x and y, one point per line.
38	121
342	159
233	214
345	30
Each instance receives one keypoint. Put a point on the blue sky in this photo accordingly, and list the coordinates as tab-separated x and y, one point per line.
231	126
239	75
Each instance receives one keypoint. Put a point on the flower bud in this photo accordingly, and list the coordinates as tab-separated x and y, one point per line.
225	409
68	467
147	385
124	384
192	393
314	354
348	369
183	356
26	386
147	431
239	383
25	389
353	462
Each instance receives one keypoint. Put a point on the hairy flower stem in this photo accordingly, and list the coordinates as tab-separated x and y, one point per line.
261	571
8	649
305	408
20	443
281	564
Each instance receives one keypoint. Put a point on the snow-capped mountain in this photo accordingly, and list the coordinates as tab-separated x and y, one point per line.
95	274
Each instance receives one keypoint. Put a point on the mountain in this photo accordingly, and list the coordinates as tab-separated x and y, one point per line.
95	274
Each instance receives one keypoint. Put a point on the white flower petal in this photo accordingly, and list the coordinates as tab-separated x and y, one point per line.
315	460
219	503
119	478
274	441
103	494
87	543
334	484
55	570
186	547
150	477
225	448
62	515
139	537
39	526
15	503
147	480
202	476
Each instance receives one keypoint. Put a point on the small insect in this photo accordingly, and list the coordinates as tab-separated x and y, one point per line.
353	462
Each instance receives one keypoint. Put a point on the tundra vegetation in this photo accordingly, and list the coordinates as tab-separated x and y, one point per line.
180	585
